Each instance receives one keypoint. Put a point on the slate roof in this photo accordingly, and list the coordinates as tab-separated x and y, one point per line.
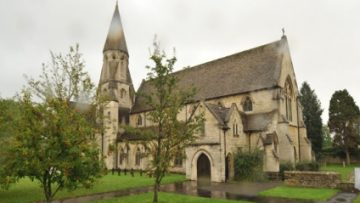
116	39
219	112
252	122
254	69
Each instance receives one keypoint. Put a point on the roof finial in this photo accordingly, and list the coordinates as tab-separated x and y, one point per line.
283	32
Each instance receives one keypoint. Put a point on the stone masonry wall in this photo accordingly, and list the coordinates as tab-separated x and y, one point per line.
312	179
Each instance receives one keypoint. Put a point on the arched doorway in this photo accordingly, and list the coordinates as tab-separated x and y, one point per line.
203	167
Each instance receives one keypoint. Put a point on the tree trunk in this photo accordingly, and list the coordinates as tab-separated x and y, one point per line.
47	193
157	161
156	189
347	156
46	184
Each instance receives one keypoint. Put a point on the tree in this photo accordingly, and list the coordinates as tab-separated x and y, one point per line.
54	139
171	135
327	140
312	116
9	113
343	113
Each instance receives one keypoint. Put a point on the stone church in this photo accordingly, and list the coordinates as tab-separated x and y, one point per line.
249	100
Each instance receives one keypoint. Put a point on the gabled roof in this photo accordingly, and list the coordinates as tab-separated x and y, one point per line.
219	112
254	69
255	122
116	39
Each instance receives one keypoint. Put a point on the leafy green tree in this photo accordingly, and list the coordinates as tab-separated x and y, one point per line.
9	114
312	116
54	139
167	100
343	113
327	140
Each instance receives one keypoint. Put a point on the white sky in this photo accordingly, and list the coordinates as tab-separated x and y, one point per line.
323	35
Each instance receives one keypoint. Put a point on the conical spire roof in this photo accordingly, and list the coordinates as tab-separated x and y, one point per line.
116	39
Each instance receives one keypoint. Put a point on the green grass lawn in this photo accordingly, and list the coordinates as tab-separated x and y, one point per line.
357	200
300	193
167	197
28	191
344	171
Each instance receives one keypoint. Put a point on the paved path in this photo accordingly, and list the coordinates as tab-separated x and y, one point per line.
342	197
104	195
201	188
235	191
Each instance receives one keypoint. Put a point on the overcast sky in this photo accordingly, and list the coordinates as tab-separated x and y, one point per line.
323	35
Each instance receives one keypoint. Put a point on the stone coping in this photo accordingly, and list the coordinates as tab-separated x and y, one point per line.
313	172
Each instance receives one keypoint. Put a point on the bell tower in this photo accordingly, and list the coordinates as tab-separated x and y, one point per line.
116	85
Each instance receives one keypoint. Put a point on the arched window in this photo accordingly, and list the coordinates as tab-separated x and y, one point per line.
126	155
247	105
202	129
109	116
121	156
138	157
178	162
139	120
235	129
122	93
288	99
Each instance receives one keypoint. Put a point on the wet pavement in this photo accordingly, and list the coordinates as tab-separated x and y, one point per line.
204	188
234	191
104	195
342	197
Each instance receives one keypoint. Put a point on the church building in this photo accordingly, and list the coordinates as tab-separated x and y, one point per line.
249	100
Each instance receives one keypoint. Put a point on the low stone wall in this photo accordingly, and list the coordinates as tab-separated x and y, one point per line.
312	179
273	176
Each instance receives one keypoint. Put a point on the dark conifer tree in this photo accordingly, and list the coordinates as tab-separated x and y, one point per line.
343	116
312	116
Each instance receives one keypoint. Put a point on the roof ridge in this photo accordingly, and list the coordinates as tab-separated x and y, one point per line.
202	65
226	57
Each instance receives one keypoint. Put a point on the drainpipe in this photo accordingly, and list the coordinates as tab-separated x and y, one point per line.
225	128
116	155
249	142
145	119
102	144
298	127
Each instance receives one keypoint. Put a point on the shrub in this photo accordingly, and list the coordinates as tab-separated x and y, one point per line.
286	166
300	166
249	166
307	166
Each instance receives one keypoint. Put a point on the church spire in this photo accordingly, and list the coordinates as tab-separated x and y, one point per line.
116	39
